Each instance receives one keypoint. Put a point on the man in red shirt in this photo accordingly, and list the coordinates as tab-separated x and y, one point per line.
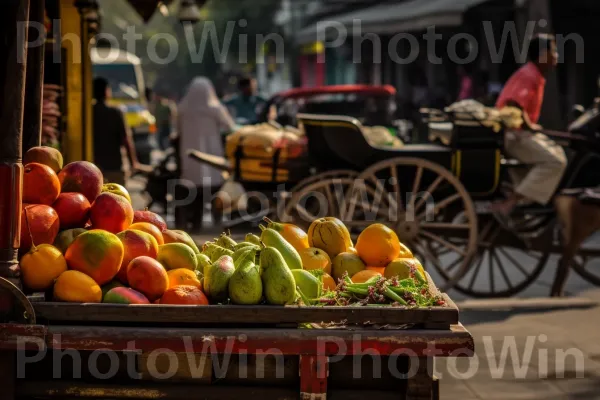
525	90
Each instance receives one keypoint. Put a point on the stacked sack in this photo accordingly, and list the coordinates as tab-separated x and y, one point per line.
258	151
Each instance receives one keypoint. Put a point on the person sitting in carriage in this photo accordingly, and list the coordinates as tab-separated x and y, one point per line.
525	90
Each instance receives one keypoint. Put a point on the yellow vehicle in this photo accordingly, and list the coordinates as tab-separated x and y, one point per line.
123	71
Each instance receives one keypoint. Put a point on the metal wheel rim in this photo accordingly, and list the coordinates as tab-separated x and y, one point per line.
420	245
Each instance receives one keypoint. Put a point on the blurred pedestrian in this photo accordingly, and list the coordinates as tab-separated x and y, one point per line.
165	112
246	105
466	90
201	119
110	134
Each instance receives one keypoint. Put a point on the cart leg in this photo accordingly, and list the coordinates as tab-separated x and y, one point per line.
7	375
420	386
313	377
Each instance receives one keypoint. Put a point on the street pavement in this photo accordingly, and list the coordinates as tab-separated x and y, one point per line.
536	353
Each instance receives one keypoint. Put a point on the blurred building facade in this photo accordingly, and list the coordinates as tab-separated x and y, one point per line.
431	75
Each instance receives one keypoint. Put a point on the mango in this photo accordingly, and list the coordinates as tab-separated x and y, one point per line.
245	285
279	286
217	277
404	268
346	262
307	282
272	238
177	255
176	236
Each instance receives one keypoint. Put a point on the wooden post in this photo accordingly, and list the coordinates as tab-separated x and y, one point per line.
13	40
420	386
313	377
32	120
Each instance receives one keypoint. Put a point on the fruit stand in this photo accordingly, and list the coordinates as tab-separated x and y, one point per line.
100	301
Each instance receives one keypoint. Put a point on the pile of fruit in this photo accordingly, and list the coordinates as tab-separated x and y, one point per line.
81	241
322	267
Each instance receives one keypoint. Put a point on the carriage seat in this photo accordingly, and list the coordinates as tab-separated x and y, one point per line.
336	142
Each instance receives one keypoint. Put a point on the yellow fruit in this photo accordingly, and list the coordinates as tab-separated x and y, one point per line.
378	246
402	268
329	234
364	276
177	255
183	276
291	233
347	262
313	258
77	287
41	266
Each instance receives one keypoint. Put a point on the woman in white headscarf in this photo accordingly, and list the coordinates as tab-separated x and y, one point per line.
201	119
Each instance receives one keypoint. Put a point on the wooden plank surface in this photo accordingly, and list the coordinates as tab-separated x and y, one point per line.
77	389
456	341
165	315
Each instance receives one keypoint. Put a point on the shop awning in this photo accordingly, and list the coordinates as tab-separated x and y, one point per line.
412	15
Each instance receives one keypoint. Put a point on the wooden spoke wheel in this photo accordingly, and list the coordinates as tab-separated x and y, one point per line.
587	262
504	264
338	173
419	200
319	196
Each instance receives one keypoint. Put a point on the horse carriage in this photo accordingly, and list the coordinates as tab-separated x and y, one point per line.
437	195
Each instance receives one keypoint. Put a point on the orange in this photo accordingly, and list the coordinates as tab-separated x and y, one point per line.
184	295
151	229
378	245
40	184
147	276
77	287
293	234
96	253
41	266
379	270
363	276
183	276
328	282
44	155
313	258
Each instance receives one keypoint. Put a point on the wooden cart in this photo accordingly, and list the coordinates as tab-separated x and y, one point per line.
262	352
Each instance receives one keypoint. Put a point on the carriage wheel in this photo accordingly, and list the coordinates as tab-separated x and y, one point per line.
587	264
323	196
338	173
425	220
504	265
